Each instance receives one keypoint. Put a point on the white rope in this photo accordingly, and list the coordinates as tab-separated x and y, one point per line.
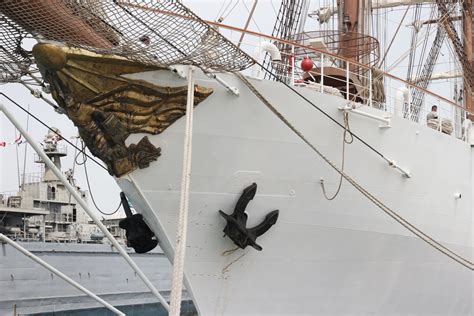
180	248
345	141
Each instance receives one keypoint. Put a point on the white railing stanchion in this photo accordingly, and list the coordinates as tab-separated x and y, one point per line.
409	104
370	88
322	73
84	205
455	120
59	274
292	64
347	80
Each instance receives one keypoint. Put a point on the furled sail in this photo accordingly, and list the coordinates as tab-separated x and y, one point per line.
152	32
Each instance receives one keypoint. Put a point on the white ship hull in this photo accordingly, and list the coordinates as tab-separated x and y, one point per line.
322	257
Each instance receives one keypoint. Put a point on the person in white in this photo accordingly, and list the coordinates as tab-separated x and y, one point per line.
433	115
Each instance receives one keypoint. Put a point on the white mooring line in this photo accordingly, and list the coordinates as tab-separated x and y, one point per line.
181	231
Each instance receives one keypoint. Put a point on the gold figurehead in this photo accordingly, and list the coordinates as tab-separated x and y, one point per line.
107	107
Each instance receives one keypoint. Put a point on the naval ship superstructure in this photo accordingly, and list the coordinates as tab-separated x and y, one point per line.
44	218
43	209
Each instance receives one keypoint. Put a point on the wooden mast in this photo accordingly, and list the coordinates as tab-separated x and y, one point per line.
467	43
350	26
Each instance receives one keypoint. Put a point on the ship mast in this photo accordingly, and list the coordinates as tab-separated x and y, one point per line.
350	25
467	43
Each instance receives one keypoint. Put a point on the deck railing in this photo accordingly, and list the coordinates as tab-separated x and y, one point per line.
60	150
32	177
359	84
10	198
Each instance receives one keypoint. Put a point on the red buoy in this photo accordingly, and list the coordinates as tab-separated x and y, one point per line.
306	64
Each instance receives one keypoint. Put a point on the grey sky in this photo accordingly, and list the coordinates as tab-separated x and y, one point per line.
104	187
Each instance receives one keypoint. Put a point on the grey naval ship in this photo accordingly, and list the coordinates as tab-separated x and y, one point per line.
295	173
44	218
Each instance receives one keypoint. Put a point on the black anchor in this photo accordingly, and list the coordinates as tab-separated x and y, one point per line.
237	221
139	235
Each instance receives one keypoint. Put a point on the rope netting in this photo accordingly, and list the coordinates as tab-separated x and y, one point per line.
151	32
14	60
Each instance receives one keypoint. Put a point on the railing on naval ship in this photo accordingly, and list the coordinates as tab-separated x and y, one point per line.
10	199
32	177
55	150
398	93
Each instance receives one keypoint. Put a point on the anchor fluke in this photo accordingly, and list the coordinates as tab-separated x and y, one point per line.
237	221
139	235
